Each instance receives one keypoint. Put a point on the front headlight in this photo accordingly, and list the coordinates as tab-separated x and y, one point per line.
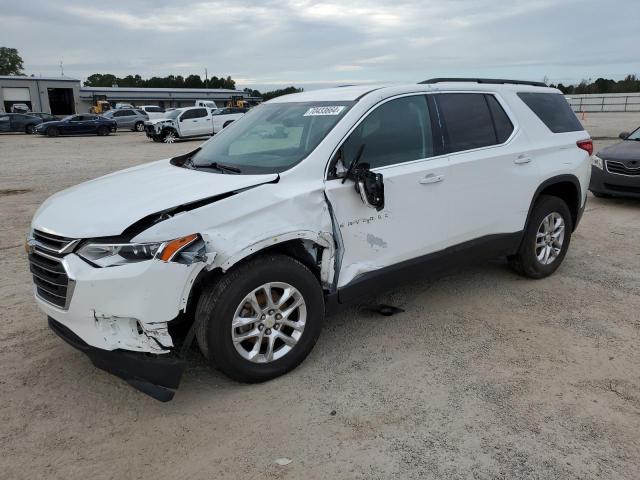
113	254
596	161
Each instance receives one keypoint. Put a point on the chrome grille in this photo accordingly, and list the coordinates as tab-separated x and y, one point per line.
621	169
45	263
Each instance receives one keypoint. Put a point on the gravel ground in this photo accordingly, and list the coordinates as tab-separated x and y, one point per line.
485	375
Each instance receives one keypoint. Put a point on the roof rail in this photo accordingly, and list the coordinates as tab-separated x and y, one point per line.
485	80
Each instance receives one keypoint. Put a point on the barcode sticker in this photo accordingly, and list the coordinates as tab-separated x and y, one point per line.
328	110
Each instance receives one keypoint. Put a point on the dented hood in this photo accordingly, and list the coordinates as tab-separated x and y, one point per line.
108	205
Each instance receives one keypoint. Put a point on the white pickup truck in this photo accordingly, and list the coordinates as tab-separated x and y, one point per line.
180	123
190	122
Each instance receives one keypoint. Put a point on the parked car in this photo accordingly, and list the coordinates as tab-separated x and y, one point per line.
86	123
133	119
46	117
180	123
223	117
20	108
18	122
616	169
305	205
152	111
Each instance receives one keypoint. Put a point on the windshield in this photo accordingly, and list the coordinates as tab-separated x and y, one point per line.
634	135
66	119
272	138
173	114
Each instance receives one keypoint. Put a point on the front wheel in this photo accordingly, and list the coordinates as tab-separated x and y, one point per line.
546	239
261	319
139	127
30	130
169	136
53	131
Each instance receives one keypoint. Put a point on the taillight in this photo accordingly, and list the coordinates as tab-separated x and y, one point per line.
586	145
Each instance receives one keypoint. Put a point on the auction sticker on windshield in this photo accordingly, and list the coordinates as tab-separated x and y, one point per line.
328	110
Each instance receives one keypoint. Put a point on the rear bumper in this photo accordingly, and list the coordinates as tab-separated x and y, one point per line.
614	184
156	375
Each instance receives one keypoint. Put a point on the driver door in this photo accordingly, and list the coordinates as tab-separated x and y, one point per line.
400	142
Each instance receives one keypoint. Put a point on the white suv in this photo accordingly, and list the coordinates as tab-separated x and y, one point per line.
180	123
305	204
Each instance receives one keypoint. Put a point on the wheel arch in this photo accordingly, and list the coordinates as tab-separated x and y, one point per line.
566	187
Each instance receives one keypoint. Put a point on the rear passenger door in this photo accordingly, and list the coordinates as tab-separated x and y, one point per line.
124	118
402	143
490	169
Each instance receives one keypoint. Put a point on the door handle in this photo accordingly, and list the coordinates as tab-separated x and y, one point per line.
431	178
522	159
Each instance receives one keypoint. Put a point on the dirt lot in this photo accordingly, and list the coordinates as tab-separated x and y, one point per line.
486	374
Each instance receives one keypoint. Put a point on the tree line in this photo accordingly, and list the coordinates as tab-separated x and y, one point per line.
170	81
630	84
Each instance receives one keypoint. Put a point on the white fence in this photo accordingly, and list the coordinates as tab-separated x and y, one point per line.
605	102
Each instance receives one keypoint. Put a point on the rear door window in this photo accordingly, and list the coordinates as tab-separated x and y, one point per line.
198	113
501	122
554	111
467	121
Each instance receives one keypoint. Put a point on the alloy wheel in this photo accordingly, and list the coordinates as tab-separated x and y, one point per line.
169	137
549	238
269	322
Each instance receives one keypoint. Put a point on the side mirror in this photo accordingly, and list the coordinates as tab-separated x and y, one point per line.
370	186
624	135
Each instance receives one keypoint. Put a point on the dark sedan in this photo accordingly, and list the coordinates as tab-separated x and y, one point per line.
78	125
18	122
615	170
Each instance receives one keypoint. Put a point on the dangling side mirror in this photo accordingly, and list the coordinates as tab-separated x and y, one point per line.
624	135
370	186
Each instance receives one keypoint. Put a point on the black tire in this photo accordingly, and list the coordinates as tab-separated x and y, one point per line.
227	123
103	131
525	262
218	302
53	131
30	130
156	139
139	127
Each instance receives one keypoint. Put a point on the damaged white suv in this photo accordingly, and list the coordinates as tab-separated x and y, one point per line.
306	203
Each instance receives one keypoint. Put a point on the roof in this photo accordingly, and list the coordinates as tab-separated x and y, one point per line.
25	77
354	92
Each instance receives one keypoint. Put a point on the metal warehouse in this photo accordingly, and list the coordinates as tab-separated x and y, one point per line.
163	97
65	96
56	95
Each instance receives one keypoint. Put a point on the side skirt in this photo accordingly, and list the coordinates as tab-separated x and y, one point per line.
427	266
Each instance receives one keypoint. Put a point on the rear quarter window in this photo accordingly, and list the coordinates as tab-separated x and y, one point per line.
554	111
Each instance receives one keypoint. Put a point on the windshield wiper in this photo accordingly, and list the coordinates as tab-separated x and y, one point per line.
220	166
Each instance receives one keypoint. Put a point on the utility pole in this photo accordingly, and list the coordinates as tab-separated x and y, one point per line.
61	69
206	78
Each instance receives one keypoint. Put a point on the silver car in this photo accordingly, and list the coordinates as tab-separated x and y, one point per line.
128	118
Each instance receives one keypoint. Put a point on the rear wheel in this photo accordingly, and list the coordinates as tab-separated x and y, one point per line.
546	239
139	127
30	130
103	131
53	131
261	319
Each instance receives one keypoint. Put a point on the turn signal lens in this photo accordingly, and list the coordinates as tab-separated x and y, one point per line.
174	246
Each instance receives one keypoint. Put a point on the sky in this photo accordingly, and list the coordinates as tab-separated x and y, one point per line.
272	44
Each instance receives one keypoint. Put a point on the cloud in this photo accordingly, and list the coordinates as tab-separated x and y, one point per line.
316	43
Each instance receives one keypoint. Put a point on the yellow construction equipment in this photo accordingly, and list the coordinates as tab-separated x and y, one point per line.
100	104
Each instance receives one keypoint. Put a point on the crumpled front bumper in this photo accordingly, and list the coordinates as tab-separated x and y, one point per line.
119	317
156	375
